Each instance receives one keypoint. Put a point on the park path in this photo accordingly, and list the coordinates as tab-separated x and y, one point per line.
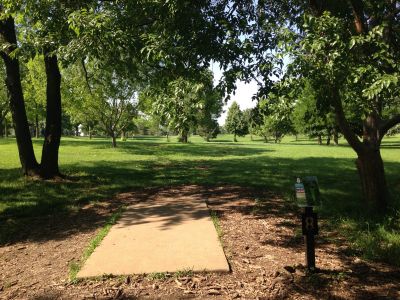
163	234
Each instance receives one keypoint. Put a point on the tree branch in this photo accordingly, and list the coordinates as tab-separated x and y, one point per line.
359	18
348	133
86	76
315	7
384	128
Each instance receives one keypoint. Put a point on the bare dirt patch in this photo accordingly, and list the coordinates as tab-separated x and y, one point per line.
261	238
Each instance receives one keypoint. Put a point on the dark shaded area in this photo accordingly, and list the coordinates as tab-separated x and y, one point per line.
102	179
367	280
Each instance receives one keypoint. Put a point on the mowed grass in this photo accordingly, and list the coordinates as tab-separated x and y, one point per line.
99	172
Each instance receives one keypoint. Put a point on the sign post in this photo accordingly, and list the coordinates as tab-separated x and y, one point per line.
307	195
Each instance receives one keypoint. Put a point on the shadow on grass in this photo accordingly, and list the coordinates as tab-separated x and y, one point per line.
23	199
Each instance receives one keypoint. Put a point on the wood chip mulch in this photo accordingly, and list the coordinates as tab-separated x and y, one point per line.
261	237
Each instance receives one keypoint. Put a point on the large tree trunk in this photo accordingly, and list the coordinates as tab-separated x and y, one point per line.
328	140
17	105
49	164
184	137
369	162
373	180
114	140
335	137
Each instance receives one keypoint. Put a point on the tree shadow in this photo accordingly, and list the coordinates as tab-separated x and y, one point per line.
99	180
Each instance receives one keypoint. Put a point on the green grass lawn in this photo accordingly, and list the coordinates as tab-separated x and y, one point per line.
101	172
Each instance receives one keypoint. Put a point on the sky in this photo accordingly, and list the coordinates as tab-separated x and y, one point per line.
243	94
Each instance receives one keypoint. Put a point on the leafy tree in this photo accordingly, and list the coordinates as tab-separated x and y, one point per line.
4	105
211	110
350	51
108	99
312	120
208	128
361	62
276	118
249	117
235	122
35	92
185	103
128	35
27	157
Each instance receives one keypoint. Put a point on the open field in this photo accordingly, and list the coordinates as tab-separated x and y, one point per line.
98	173
151	162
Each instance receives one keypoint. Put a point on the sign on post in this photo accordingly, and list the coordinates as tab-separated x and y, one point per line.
307	195
307	191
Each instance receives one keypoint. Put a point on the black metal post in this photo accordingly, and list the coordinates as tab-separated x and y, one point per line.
310	230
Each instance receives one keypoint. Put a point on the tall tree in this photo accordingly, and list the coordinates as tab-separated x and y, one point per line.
35	91
235	122
364	63
4	103
350	50
27	157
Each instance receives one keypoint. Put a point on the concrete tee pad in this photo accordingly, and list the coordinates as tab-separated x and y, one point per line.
165	234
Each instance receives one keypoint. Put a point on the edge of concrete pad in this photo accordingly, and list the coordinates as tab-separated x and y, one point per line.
224	267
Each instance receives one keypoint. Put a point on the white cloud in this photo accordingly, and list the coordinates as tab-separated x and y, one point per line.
243	94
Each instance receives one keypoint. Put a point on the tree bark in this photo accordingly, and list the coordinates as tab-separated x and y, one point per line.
369	162
114	140
319	140
27	157
49	164
373	181
335	137
234	137
90	132
184	137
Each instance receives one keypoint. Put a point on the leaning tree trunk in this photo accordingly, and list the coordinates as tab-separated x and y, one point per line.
49	164
17	105
369	162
